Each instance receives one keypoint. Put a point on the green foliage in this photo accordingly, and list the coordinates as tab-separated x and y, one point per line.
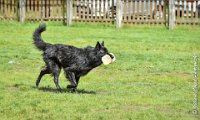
151	79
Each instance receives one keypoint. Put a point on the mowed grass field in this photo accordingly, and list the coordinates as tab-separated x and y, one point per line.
152	78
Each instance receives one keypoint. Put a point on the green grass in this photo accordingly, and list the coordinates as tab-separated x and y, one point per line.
152	78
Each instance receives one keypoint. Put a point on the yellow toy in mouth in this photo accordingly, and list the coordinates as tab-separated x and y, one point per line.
106	59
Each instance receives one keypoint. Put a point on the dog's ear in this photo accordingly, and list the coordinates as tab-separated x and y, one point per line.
102	44
98	46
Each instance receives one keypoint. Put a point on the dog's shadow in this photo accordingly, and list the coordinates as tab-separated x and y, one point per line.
54	90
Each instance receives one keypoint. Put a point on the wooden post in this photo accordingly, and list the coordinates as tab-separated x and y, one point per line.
171	14
113	19
119	14
69	12
22	12
43	9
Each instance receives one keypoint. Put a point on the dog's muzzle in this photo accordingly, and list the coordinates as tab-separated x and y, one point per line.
108	58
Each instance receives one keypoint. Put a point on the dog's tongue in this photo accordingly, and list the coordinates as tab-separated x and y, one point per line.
106	59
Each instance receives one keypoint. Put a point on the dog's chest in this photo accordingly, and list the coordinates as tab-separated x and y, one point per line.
83	73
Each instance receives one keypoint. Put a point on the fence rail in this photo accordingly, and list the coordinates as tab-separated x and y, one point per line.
133	11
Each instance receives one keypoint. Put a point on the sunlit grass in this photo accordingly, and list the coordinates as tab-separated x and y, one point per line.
151	79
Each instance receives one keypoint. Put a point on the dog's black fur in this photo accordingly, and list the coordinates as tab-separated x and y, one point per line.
76	62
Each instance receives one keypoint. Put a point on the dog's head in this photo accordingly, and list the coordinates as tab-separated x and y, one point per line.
102	51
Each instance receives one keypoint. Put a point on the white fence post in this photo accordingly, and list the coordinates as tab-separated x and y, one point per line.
171	14
43	10
22	11
119	14
69	12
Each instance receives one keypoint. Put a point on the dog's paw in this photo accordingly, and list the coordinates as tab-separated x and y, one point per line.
74	90
59	90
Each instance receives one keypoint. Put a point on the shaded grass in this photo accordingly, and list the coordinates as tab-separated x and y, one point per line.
151	79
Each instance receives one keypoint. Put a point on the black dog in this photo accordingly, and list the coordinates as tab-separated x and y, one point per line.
76	62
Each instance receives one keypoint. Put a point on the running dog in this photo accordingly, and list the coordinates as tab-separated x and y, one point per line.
75	62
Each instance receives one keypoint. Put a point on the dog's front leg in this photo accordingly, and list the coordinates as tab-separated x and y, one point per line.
56	83
72	79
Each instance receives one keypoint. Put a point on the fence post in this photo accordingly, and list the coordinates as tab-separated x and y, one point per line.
69	11
171	14
119	14
43	11
22	12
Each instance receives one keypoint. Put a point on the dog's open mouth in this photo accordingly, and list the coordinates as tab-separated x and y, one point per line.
108	59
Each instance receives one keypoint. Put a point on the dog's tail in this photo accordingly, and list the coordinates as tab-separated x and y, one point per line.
38	42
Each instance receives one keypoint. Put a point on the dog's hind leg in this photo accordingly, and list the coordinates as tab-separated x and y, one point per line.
42	73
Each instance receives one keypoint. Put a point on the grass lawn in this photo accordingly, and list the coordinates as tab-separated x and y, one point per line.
152	78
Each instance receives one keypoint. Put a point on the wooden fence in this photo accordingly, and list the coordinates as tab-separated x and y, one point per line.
94	10
35	10
144	11
132	11
44	9
187	11
8	9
